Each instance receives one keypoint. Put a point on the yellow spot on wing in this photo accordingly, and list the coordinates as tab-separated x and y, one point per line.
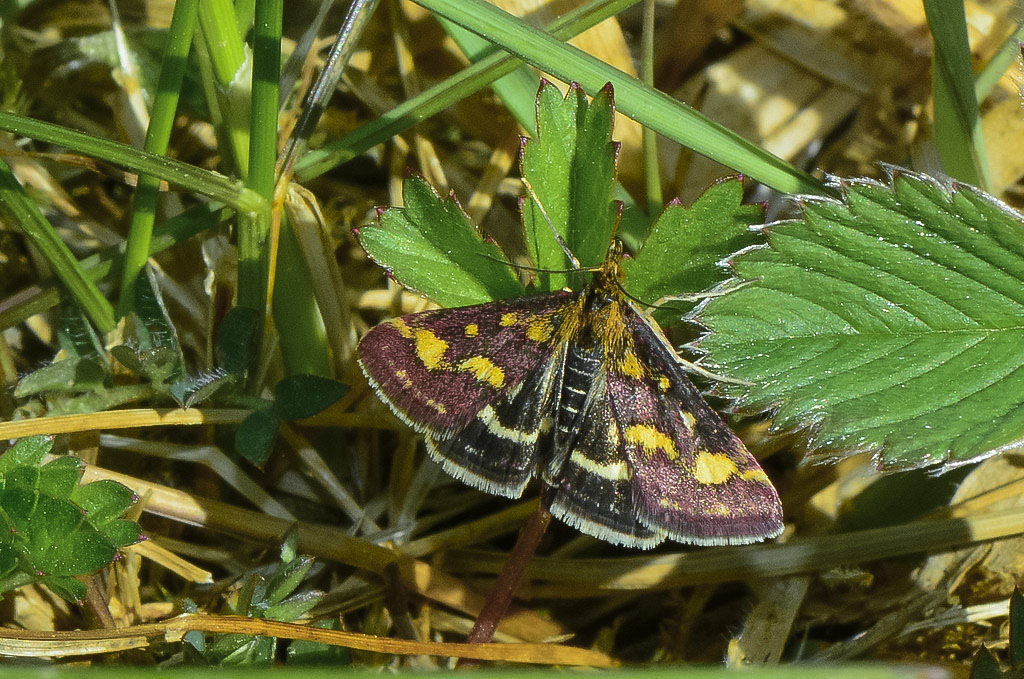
713	468
650	439
430	348
755	475
540	329
472	330
402	327
688	419
664	384
484	370
631	366
508	319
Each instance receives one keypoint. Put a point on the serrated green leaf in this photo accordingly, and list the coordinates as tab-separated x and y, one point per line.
103	501
430	246
570	165
65	587
684	249
890	322
593	214
255	435
30	451
299	396
547	163
60	477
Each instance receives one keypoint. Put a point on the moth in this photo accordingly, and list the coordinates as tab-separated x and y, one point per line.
583	390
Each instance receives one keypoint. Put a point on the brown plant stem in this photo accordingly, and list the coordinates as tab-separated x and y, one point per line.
500	597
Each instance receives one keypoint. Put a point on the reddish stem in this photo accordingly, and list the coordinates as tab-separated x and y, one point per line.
500	597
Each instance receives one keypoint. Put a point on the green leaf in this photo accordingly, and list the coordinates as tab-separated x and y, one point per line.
127	357
301	396
26	477
30	451
53	521
985	666
890	322
294	607
241	649
255	435
8	559
158	350
302	652
82	552
430	246
18	504
122	532
76	335
684	249
66	587
957	121
287	578
103	501
570	165
235	338
59	376
192	390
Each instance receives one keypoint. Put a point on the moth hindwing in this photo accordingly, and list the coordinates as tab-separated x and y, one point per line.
583	390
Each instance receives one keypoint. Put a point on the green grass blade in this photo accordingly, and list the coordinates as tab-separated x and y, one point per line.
651	108
165	104
216	186
254	230
21	210
999	63
958	133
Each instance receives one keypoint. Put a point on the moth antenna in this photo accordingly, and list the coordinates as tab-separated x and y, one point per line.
527	267
558	237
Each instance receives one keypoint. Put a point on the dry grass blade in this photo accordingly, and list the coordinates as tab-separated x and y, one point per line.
24	643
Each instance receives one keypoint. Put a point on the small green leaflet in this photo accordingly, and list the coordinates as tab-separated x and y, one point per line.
430	245
891	322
